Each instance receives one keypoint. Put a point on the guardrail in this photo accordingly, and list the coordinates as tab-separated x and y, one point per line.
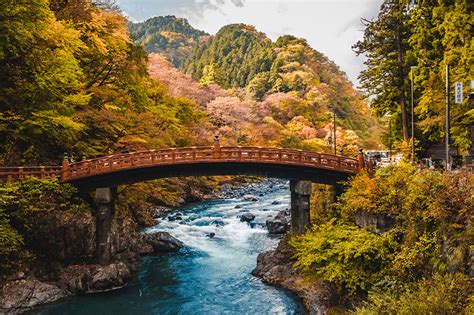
140	159
11	174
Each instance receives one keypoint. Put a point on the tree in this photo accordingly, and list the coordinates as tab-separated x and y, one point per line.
385	44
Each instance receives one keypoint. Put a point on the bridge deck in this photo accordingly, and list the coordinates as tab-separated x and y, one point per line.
179	156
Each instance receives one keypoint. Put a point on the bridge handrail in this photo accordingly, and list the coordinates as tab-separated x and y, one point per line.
11	173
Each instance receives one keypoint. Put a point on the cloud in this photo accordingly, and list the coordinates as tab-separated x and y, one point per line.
238	3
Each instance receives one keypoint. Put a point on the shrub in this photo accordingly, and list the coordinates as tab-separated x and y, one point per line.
343	254
415	259
11	246
20	203
443	294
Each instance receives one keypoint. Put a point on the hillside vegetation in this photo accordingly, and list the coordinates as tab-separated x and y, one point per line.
172	36
72	80
419	264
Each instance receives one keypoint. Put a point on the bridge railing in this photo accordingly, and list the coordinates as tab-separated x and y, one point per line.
208	154
147	158
10	174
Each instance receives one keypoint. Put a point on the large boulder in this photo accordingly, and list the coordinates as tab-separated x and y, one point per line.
162	242
19	296
247	217
76	278
109	277
278	224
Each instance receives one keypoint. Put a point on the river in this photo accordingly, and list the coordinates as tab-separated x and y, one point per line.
209	275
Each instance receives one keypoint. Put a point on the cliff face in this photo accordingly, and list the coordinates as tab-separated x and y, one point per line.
64	246
276	267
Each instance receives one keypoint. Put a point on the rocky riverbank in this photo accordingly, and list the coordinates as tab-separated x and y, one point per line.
275	267
23	291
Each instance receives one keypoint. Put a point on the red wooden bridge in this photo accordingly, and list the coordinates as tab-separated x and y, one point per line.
194	161
104	174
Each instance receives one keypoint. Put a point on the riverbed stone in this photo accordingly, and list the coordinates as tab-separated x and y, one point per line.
110	277
279	224
247	217
75	278
162	242
250	198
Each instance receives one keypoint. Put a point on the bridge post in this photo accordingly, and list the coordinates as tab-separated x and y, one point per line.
104	201
300	205
64	167
361	160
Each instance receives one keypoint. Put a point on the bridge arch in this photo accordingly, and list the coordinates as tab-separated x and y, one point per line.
139	166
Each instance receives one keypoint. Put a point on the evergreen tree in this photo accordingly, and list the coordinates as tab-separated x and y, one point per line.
385	44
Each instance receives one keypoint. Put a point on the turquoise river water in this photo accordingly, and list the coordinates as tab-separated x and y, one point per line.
207	276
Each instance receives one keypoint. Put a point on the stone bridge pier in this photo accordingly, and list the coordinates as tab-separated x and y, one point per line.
104	206
300	205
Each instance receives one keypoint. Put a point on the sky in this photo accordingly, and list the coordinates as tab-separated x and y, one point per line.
329	26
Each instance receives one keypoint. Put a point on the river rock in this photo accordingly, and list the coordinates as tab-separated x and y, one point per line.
21	295
250	198
275	203
218	223
279	224
75	278
276	267
110	277
247	217
162	242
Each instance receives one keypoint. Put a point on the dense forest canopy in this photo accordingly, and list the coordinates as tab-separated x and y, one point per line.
423	36
172	36
72	80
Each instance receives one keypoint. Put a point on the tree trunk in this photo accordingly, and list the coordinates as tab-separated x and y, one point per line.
401	75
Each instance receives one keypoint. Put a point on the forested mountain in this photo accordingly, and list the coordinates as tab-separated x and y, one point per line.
232	58
172	36
281	87
298	80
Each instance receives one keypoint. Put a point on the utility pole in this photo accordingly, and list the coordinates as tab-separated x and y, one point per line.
412	159
448	164
335	142
390	137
